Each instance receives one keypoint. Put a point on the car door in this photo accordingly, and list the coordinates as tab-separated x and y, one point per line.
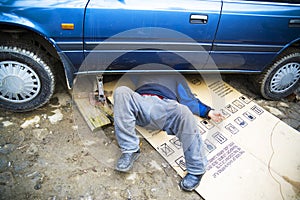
122	34
252	33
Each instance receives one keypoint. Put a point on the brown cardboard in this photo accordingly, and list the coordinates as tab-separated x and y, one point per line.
252	154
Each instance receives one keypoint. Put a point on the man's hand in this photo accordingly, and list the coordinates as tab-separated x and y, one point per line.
215	115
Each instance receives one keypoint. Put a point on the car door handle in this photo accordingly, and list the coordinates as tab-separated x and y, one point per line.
294	23
198	19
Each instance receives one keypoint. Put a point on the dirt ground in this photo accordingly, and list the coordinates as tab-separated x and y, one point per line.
50	153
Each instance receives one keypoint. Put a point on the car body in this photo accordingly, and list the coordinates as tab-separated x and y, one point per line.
42	39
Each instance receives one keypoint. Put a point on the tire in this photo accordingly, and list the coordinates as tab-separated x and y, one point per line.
281	78
27	81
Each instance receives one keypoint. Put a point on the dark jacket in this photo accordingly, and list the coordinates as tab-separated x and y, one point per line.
171	87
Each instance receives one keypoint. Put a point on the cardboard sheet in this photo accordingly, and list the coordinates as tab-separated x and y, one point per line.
252	154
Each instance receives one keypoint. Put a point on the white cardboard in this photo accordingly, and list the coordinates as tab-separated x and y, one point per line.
251	153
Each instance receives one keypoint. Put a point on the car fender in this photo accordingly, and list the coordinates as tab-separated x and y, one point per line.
293	43
25	24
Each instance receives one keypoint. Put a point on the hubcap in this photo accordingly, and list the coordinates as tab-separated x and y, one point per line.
285	78
18	82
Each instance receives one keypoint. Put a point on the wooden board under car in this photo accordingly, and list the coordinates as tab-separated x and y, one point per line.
93	112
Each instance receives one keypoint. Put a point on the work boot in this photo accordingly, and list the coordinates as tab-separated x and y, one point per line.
190	182
126	161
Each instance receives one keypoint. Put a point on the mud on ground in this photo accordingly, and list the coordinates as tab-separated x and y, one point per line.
50	153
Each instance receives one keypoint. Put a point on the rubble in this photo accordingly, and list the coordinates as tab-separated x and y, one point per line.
30	122
58	116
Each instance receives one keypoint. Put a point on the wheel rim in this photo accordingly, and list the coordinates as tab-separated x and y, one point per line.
18	82
285	78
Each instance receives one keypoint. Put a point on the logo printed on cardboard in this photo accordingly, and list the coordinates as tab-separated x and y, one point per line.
244	99
249	116
225	113
232	129
181	163
207	124
242	123
231	108
209	146
238	104
257	110
219	137
166	150
175	141
196	81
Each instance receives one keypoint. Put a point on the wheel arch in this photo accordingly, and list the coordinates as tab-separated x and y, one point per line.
17	31
293	44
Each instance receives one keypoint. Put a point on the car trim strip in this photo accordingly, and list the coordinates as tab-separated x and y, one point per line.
167	71
246	48
176	46
184	46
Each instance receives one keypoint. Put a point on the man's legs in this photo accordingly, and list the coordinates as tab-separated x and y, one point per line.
182	123
126	107
125	112
130	109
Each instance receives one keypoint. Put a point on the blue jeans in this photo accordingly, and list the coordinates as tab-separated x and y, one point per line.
151	112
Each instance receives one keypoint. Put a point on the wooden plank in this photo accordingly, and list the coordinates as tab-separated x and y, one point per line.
91	112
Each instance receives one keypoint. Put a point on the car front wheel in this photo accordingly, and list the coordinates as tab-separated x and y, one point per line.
282	77
26	79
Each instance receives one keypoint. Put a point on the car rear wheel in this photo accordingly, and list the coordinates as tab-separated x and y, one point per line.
26	78
282	77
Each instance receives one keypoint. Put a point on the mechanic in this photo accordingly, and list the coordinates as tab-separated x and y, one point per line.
161	102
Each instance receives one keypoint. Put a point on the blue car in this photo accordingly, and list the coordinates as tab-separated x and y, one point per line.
42	40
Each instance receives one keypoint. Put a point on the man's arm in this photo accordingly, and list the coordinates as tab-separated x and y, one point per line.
186	97
215	115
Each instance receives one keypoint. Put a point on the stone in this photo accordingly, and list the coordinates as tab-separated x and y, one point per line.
19	166
7	148
38	186
7	123
275	111
132	176
75	127
32	150
3	163
164	165
283	104
6	178
40	133
155	165
31	122
58	116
